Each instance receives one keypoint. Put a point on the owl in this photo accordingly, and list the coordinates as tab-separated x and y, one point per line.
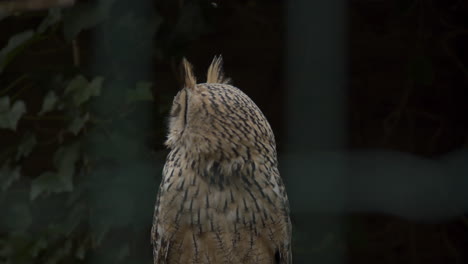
221	198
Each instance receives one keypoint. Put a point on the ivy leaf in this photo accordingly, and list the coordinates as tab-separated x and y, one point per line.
46	182
61	180
81	90
10	115
76	83
92	89
53	17
50	100
142	92
38	246
26	146
64	160
14	46
78	123
8	175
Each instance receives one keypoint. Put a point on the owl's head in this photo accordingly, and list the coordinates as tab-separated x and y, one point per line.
217	118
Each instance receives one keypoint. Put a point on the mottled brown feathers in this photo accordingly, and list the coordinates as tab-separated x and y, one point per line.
221	198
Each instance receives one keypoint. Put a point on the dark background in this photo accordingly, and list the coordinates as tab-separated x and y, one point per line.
83	191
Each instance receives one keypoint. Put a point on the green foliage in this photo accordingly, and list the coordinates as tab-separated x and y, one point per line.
61	179
61	201
77	176
78	123
49	103
10	113
8	175
26	145
80	90
15	45
54	16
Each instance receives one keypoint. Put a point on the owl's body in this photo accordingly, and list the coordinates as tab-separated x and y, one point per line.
221	198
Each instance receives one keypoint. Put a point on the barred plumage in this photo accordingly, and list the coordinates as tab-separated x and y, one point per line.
221	199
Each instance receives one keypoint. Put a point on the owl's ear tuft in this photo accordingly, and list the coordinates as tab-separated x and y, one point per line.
189	78
215	71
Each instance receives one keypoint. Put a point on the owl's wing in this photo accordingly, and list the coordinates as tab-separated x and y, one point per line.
283	256
160	251
160	246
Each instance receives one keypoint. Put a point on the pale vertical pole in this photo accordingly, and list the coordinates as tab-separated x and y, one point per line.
316	123
123	184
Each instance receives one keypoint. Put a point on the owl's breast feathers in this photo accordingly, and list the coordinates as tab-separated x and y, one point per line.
222	200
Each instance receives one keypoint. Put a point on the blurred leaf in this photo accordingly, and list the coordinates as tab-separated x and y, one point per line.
8	175
92	89
79	82
38	246
65	159
46	182
61	180
26	146
50	100
54	16
10	115
78	123
421	69
81	91
15	44
142	92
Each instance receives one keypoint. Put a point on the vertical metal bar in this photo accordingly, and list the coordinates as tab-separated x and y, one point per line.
316	123
316	74
124	185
